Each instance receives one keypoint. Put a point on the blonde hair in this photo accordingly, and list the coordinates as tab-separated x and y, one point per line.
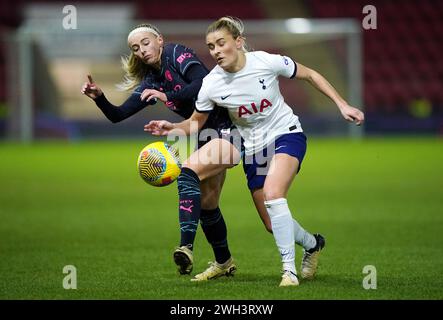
231	24
135	69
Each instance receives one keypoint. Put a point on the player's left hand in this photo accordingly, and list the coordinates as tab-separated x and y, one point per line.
149	94
352	114
159	127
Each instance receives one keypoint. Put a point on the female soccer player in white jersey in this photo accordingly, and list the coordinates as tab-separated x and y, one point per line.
246	84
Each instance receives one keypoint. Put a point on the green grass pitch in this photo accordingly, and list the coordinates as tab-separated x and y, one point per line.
378	202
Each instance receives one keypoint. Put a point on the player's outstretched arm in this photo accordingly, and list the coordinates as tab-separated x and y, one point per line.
186	127
319	82
114	113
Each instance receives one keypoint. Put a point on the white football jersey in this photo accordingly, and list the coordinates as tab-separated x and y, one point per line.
253	99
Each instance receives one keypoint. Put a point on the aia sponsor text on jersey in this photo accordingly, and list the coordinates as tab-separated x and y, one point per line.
244	111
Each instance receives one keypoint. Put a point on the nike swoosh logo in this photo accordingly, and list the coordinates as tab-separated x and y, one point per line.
223	98
279	147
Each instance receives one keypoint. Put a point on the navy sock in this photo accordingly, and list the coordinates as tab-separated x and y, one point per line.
189	195
214	227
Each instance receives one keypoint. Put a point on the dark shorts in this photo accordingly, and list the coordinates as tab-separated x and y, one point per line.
227	132
219	125
256	166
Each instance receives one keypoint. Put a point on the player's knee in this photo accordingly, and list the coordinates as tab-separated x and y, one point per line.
208	202
188	164
210	196
270	193
193	167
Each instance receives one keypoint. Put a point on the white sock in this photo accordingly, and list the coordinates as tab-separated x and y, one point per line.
283	231
302	237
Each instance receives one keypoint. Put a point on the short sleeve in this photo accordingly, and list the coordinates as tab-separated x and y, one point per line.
183	58
282	65
204	103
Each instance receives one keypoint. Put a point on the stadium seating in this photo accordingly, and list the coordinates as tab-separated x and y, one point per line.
11	12
198	9
401	57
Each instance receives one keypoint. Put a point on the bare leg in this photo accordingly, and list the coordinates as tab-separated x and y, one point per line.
211	189
213	158
259	201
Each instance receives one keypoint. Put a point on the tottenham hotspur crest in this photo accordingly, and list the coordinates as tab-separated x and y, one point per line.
262	81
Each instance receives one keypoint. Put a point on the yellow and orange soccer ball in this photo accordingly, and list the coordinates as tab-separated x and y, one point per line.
159	164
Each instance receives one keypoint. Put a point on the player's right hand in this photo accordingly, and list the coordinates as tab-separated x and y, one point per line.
90	89
159	127
352	114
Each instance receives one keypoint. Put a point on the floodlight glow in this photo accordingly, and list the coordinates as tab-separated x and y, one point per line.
298	25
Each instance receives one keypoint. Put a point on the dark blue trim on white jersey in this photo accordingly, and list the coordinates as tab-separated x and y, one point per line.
295	70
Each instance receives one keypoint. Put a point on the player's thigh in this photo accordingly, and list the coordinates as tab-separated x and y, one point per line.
211	189
282	171
212	158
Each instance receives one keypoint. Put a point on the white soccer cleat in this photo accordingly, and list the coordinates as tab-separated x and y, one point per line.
289	279
216	270
309	262
184	259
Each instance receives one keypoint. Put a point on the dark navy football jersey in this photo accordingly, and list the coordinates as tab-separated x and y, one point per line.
172	80
179	80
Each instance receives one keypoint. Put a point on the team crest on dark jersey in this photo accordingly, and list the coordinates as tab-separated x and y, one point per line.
168	75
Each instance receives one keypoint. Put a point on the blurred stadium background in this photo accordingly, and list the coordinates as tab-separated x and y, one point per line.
393	72
73	195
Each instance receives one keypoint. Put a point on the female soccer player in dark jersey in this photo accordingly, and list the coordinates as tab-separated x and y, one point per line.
173	74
